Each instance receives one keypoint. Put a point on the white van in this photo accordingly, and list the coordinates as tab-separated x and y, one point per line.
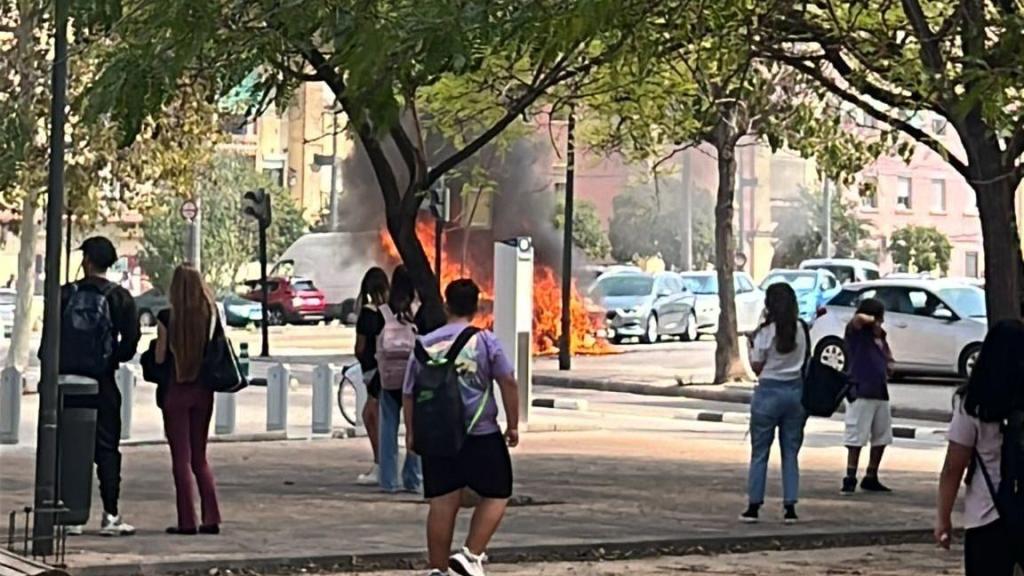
846	270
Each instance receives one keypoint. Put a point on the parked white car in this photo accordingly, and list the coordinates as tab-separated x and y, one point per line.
935	327
749	301
846	270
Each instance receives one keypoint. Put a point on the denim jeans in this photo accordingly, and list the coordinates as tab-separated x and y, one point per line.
776	404
390	413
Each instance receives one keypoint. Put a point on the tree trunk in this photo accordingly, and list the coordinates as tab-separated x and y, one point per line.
21	332
1003	266
728	365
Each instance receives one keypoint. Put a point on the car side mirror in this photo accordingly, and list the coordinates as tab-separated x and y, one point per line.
944	314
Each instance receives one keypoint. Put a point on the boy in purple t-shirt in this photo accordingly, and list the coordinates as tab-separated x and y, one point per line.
483	464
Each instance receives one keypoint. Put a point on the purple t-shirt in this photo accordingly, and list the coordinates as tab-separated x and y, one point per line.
482	359
868	363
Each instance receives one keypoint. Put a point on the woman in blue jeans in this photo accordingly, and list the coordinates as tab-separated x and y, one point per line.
777	355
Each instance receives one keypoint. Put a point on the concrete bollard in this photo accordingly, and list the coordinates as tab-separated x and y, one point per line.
323	398
278	378
125	379
11	383
225	406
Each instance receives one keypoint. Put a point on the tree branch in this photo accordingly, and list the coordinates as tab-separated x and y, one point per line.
900	124
931	54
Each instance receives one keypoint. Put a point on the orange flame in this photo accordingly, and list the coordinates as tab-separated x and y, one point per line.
547	299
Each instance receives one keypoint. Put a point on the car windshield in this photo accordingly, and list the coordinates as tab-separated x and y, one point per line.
967	301
613	286
702	284
844	274
303	285
7	299
800	281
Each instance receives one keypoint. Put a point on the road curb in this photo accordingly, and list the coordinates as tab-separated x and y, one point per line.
703	392
593	551
561	404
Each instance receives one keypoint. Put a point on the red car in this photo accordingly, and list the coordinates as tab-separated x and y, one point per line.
291	300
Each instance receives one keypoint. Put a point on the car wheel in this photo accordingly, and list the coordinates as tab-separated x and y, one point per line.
651	334
616	339
832	353
968	359
691	333
146	318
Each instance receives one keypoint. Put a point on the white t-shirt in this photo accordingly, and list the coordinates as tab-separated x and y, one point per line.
778	366
987	439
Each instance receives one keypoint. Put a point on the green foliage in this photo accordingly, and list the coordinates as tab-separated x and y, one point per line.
799	238
229	241
644	224
920	249
587	230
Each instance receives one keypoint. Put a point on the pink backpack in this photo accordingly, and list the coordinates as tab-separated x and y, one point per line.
395	344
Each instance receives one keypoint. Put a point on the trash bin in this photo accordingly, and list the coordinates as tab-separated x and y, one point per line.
77	446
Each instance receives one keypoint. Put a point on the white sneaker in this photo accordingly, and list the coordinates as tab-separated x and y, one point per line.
368	479
468	564
74	530
114	526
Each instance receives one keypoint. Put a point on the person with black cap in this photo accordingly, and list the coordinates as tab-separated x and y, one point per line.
104	333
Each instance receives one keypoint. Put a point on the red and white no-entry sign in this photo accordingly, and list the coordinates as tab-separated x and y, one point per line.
189	210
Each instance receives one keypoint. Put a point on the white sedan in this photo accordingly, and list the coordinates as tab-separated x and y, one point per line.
935	327
749	301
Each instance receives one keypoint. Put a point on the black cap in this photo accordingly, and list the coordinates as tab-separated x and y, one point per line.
100	251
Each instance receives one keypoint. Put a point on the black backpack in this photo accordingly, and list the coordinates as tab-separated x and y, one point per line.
439	423
219	370
1009	495
824	386
87	332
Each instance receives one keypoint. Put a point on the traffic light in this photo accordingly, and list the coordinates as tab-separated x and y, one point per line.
256	204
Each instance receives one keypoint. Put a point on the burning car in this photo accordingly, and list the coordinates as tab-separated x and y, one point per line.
646	306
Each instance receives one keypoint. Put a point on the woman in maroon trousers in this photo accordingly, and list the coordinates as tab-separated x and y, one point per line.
187	404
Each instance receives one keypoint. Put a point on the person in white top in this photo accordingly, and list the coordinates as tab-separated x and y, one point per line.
777	355
994	392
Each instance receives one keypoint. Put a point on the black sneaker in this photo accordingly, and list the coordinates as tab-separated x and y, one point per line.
790	516
871	484
751	515
849	486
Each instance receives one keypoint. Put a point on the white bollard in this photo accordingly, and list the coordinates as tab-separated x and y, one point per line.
11	383
224	405
323	396
125	379
278	378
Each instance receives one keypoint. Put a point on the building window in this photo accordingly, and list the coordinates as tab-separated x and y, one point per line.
869	194
904	194
971	265
939	125
939	196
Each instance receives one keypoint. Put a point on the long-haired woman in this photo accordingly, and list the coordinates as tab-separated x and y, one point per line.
777	356
373	293
993	394
183	333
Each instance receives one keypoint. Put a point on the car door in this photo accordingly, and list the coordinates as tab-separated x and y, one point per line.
683	301
934	339
899	321
663	305
828	287
748	304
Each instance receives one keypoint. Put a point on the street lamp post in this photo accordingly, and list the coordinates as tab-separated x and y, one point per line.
332	218
565	342
46	440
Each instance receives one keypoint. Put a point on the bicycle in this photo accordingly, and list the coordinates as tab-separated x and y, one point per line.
350	389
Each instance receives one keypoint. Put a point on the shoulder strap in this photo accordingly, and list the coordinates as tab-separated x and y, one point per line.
460	343
807	340
993	492
387	313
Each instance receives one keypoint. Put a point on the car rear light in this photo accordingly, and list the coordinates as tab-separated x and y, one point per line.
821	312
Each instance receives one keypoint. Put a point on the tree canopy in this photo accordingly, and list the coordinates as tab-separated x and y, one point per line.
920	249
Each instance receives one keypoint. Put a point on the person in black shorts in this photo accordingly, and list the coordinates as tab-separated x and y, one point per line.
483	465
372	295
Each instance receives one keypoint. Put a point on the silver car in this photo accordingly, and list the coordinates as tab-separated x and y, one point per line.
645	306
749	301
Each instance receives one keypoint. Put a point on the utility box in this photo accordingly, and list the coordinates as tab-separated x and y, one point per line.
513	313
76	449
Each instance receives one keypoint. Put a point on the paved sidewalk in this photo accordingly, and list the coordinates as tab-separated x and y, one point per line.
294	502
907	560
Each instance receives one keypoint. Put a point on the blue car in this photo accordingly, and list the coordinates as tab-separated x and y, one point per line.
814	288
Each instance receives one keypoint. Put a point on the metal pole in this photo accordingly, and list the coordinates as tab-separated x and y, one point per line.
827	193
67	250
565	341
264	328
687	247
438	248
741	238
332	218
46	441
195	237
